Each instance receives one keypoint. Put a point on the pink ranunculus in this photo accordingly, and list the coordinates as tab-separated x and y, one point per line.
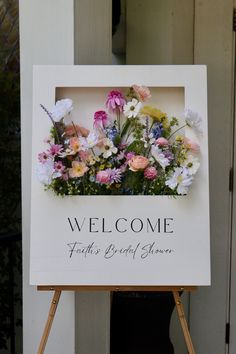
191	145
100	119
142	92
162	142
138	163
150	173
103	177
115	101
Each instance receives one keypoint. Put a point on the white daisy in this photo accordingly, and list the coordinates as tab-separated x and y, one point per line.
108	148
132	108
160	157
180	179
193	120
192	164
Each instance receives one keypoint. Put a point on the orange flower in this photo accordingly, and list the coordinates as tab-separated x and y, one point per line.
138	163
70	130
78	169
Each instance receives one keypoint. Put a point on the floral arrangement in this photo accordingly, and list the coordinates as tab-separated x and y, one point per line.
133	149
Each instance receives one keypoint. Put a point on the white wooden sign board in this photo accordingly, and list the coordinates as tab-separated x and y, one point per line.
119	240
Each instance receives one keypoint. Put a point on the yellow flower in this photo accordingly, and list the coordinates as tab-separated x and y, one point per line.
78	169
156	114
179	138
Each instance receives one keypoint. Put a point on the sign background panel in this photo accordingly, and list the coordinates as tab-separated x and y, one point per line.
119	240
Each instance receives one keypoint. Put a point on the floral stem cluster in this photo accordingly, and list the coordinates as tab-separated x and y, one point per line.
133	149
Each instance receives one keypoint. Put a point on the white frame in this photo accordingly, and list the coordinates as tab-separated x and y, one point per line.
191	266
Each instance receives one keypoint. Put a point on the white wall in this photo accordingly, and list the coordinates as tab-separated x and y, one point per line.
46	37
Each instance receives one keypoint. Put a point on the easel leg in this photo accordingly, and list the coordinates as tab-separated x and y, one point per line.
47	328
183	322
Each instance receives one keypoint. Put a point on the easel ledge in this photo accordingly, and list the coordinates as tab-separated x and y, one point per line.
114	288
59	288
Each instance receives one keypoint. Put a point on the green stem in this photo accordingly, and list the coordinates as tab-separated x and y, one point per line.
177	130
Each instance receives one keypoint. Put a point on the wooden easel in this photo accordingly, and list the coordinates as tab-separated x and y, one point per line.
58	289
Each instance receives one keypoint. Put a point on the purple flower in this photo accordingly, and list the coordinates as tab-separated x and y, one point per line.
168	154
115	101
115	175
100	119
130	155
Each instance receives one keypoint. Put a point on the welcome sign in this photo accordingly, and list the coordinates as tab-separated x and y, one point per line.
120	176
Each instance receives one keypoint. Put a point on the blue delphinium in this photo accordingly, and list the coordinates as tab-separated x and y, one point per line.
157	130
111	133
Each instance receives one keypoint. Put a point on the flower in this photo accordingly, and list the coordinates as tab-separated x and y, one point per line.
89	142
157	130
192	164
75	129
150	173
108	148
191	145
61	109
109	176
156	115
180	179
43	157
142	92
103	177
111	133
115	101
75	144
78	169
193	120
132	108
54	150
100	119
162	141
160	157
138	163
45	172
130	155
59	167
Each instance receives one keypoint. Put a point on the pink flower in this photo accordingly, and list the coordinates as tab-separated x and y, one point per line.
42	157
142	92
78	169
74	144
150	173
103	177
138	163
100	119
59	167
191	145
162	142
55	149
115	101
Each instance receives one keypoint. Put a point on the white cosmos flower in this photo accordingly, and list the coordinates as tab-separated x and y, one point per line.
193	120
61	109
90	141
180	179
192	164
132	108
45	172
160	157
108	148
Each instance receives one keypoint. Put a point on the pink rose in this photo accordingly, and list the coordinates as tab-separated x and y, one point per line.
138	163
142	92
162	142
103	177
191	145
150	173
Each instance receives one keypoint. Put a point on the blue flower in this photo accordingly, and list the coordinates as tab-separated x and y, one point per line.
111	133
157	130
